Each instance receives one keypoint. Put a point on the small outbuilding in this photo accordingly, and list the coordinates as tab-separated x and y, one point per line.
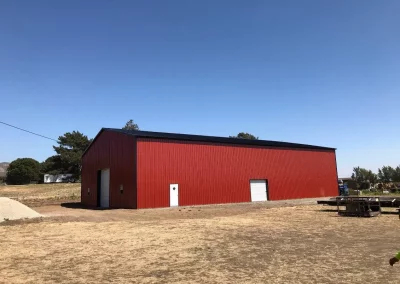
141	169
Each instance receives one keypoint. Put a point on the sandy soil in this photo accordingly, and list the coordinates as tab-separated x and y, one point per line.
13	210
244	243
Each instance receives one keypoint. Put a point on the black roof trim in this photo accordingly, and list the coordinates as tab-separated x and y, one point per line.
210	139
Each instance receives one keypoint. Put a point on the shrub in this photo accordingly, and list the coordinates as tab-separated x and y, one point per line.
23	171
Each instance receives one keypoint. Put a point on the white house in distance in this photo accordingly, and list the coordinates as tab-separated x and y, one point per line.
58	178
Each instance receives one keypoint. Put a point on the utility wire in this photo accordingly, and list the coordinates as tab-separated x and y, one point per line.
28	131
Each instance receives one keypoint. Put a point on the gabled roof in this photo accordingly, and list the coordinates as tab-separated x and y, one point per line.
210	139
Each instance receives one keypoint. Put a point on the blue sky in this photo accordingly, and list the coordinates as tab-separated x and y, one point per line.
316	72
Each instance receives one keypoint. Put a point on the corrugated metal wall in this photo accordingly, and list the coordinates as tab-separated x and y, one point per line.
209	174
115	151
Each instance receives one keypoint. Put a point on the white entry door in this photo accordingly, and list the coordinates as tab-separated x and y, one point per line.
173	195
105	188
258	189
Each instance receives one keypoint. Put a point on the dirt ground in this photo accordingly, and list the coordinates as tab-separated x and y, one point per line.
42	194
272	242
41	191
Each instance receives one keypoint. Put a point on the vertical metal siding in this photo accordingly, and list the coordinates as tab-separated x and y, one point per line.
115	151
210	173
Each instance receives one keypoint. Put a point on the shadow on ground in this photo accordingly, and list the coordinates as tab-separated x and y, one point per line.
383	212
79	205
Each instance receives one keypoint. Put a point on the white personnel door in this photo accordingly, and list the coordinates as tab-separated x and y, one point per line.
173	195
258	189
105	188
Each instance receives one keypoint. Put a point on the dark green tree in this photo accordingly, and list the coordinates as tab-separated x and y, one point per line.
363	177
130	125
386	174
23	171
359	174
371	177
70	149
396	175
245	135
52	166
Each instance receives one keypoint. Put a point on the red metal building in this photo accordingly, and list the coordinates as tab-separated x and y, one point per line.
140	169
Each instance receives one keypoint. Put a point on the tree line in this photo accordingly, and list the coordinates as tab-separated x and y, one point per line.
67	158
385	174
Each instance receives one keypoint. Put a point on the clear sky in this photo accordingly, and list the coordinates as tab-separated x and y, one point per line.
317	72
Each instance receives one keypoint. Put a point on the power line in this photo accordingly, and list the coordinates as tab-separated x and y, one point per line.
28	131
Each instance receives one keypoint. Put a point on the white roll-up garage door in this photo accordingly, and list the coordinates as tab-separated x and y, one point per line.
258	189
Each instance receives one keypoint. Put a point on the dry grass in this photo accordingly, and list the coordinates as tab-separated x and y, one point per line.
222	244
36	193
